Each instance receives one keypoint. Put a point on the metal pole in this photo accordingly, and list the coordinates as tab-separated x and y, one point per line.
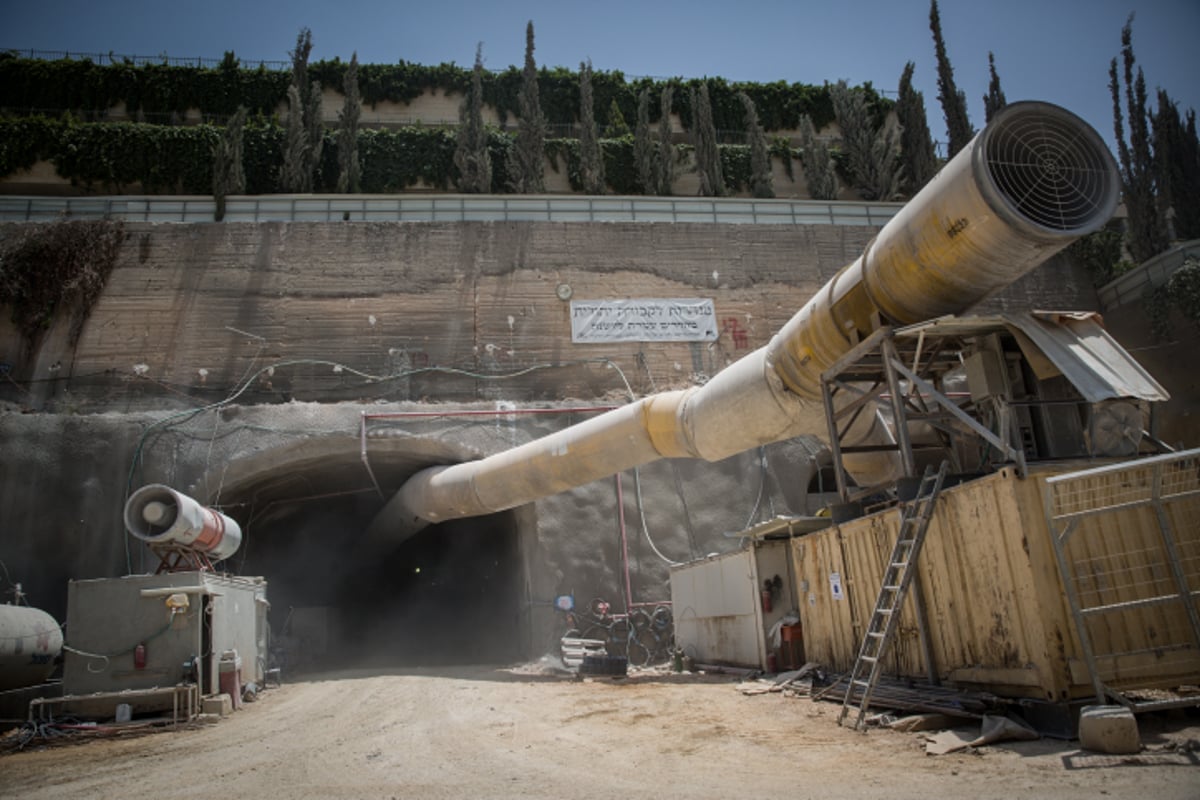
1173	556
890	358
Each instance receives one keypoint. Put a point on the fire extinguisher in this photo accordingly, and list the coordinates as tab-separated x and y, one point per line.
139	657
766	601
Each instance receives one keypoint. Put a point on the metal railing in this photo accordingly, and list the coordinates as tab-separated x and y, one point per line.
1151	274
162	59
449	208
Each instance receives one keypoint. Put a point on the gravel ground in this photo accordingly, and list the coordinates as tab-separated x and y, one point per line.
526	732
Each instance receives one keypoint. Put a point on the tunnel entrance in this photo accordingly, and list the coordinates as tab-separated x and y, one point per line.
450	595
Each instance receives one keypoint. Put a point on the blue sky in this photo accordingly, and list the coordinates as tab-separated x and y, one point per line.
1053	50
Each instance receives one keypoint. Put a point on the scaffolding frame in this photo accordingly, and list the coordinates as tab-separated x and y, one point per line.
909	369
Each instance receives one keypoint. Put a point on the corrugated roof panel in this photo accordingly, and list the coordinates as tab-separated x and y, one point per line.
1088	356
1074	342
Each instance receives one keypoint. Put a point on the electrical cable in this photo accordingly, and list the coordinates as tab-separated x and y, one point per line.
637	489
762	485
248	379
107	656
687	515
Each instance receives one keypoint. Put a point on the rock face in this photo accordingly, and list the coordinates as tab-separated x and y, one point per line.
236	362
326	310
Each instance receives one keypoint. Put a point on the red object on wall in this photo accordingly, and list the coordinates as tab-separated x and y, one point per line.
139	657
766	601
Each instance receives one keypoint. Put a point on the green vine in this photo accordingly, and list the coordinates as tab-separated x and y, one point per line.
1184	288
60	266
781	149
1181	293
1156	304
116	157
166	92
1100	254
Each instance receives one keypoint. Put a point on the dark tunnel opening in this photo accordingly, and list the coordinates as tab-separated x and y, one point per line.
451	595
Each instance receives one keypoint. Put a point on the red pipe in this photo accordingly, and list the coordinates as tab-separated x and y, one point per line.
624	544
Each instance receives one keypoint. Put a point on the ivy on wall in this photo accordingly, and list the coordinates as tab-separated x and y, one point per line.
112	157
1181	292
164	159
60	268
82	86
86	88
1100	253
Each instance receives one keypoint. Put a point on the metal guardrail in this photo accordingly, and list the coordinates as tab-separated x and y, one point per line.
449	208
161	59
1151	274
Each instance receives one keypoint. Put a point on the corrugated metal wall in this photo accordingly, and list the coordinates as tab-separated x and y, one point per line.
998	615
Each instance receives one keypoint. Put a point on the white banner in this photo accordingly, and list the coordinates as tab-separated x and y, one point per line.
644	320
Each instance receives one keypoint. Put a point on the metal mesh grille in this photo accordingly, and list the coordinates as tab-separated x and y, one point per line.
1050	169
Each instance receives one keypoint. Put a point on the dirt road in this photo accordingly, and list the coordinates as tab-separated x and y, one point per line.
479	732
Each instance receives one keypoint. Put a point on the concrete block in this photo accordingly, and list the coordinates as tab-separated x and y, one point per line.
220	705
1109	729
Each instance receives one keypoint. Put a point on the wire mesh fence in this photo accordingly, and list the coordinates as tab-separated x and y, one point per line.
1127	542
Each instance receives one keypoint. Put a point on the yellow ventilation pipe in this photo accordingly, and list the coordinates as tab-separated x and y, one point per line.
1034	180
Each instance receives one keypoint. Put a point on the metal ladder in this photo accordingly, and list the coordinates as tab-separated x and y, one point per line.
914	522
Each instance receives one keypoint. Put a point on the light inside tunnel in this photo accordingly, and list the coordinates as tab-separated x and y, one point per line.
450	595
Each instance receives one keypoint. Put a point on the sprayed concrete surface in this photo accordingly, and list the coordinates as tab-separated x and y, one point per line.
294	478
478	732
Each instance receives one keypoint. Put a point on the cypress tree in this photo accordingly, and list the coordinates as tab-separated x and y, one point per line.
305	129
820	175
994	100
526	159
704	141
349	168
916	145
872	153
616	127
666	150
229	177
1146	233
954	102
1177	167
471	155
293	175
643	148
761	179
315	128
300	60
591	160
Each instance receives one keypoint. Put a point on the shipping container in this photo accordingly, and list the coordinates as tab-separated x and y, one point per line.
998	615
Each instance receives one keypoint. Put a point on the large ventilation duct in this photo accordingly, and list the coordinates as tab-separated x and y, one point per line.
159	515
1029	184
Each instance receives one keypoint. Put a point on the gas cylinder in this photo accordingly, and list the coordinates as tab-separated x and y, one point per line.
30	641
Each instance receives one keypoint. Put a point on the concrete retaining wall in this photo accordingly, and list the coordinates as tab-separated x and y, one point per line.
192	310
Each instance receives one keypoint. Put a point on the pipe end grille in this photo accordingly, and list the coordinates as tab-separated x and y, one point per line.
1052	168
